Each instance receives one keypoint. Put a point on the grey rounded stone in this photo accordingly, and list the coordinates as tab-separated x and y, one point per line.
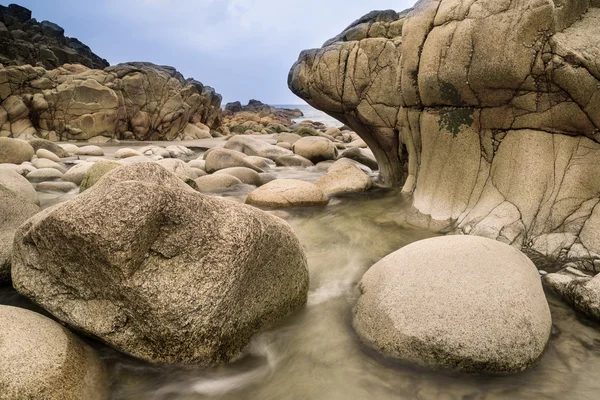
44	174
18	184
315	149
246	175
15	151
455	302
215	183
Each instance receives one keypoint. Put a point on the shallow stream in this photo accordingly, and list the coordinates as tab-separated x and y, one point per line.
314	353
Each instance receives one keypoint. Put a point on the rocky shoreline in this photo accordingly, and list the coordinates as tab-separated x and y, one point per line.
138	212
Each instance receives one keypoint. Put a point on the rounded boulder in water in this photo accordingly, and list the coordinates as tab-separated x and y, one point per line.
158	270
456	302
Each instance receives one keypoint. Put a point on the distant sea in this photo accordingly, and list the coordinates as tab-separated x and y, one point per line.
312	114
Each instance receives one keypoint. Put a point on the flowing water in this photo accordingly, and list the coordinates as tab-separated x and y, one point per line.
315	354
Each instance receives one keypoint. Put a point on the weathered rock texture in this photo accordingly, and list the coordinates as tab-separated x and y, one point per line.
256	117
40	359
488	111
139	101
158	270
24	40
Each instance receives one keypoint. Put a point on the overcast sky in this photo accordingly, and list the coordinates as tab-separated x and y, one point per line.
243	48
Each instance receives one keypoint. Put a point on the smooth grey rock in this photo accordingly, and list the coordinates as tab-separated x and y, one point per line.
215	183
15	151
217	159
44	174
246	175
18	184
293	161
455	302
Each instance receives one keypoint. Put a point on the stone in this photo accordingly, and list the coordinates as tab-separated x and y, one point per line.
199	164
178	167
54	148
287	193
346	161
77	173
245	175
43	153
580	291
40	359
216	183
455	302
14	151
96	172
260	162
126	152
362	156
90	151
14	211
216	159
13	181
344	178
284	145
56	186
44	174
255	147
293	161
458	119
160	271
22	169
315	149
179	151
47	163
289	138
69	148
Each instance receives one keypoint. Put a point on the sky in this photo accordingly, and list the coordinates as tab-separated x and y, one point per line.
242	48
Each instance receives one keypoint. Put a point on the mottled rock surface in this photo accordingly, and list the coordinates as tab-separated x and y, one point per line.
158	270
455	302
39	359
14	210
135	101
488	112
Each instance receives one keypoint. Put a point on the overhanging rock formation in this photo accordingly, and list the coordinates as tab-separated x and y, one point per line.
140	101
488	111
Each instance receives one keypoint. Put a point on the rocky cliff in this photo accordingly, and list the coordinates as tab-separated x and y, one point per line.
24	40
487	111
139	101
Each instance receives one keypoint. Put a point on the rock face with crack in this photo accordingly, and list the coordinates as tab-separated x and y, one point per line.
136	101
487	111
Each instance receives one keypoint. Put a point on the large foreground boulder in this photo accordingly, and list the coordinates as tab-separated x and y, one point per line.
18	184
14	210
158	270
466	105
456	302
39	359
